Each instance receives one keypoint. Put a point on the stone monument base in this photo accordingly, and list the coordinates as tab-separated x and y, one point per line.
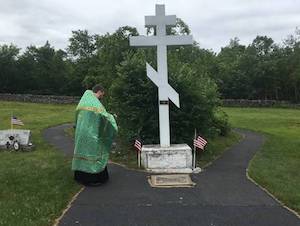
174	159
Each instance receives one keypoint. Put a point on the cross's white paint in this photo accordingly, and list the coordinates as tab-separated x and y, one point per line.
160	78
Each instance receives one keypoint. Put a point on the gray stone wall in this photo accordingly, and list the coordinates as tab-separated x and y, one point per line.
257	103
46	99
49	99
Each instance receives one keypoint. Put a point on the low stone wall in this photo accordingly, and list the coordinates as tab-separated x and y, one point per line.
257	103
46	99
50	99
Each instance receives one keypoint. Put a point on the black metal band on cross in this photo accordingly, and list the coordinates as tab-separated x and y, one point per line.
164	102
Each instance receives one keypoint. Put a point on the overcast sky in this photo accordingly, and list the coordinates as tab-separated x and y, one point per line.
213	22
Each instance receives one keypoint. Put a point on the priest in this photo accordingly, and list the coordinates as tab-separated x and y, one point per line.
94	134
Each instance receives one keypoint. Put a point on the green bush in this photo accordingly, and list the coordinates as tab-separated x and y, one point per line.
135	100
221	122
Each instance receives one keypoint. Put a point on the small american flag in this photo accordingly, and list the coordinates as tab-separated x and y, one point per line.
16	121
200	142
138	145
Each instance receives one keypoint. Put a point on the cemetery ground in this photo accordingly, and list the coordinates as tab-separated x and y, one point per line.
276	166
36	186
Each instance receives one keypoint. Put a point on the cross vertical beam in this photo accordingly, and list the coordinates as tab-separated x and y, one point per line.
164	116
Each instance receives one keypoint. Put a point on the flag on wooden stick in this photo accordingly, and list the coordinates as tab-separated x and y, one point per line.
16	121
138	145
200	142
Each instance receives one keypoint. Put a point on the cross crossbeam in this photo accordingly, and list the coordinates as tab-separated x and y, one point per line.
165	40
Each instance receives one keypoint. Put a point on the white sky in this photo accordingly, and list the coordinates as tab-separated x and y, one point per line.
212	22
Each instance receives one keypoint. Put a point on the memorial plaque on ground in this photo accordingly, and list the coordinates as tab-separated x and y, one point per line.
171	180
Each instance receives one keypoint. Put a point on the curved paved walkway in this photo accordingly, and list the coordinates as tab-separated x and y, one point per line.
223	195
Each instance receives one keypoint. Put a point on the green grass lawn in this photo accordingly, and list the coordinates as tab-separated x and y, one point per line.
34	186
277	165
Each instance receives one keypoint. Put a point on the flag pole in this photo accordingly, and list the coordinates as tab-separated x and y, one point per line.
138	147
194	156
139	158
11	124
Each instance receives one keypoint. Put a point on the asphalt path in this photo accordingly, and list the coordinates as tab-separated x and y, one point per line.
223	194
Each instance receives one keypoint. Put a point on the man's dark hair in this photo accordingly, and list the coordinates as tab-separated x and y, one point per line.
97	88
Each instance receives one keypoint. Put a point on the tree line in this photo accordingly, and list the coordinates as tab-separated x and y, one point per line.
260	70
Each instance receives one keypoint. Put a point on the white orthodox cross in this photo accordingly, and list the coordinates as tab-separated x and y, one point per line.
160	77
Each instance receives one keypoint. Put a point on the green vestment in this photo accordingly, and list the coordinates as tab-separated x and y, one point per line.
95	130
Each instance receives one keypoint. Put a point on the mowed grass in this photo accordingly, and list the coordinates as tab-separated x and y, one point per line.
35	186
277	165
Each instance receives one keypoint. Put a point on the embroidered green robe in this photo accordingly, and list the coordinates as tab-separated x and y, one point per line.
95	131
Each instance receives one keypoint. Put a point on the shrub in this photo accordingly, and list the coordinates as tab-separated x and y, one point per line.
135	100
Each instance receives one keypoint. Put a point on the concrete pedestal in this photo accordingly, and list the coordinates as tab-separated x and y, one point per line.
174	159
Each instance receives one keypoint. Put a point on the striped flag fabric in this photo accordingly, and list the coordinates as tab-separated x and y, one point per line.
16	121
138	145
200	142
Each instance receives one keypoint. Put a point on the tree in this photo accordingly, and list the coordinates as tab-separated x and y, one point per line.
110	53
82	54
264	71
291	51
8	68
44	70
82	45
231	77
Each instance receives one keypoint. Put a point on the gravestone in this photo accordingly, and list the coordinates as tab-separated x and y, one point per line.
175	158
